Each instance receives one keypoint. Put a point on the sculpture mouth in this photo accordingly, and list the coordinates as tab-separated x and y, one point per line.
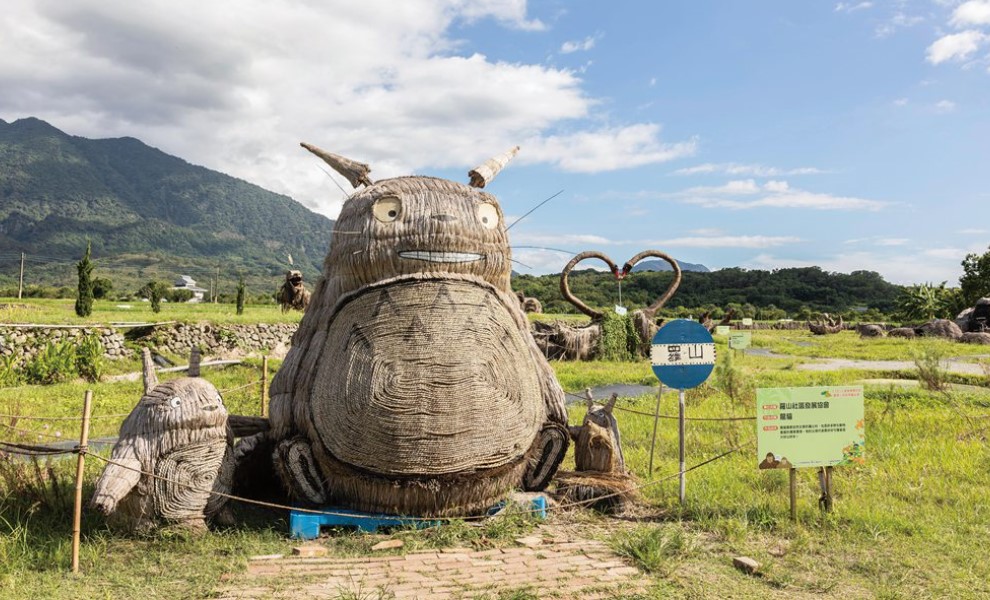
440	256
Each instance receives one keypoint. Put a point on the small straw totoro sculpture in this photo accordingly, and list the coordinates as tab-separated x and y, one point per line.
414	385
170	454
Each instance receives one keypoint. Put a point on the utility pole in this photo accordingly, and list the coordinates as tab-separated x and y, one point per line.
20	284
216	297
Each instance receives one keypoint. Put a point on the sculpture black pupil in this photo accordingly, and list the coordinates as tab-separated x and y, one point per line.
392	213
484	220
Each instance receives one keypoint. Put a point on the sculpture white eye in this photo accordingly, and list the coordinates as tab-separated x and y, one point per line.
488	215
175	401
387	209
219	399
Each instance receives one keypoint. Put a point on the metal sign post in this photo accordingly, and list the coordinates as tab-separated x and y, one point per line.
683	356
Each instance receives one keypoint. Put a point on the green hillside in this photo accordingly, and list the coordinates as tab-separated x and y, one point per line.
147	213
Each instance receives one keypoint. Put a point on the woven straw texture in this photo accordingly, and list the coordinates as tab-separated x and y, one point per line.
184	440
413	383
412	395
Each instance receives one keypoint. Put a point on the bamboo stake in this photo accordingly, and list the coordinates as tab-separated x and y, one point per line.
656	418
264	386
80	464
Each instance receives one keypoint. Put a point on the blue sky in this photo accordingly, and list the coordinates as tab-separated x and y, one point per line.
849	135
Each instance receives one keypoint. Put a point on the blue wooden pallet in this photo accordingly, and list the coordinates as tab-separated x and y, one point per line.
306	525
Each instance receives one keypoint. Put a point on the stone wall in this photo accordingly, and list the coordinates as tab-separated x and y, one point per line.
25	342
219	339
177	338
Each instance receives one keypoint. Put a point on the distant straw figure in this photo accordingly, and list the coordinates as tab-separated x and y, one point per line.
169	456
293	294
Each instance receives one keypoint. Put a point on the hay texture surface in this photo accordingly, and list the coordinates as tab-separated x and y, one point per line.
413	384
177	432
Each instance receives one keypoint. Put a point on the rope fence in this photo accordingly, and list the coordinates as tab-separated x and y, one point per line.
81	450
660	416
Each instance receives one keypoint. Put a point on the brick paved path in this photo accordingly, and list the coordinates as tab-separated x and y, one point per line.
581	569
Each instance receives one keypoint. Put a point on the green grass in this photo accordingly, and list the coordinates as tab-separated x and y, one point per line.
911	522
61	312
848	344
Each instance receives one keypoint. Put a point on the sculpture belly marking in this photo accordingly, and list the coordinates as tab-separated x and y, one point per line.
402	389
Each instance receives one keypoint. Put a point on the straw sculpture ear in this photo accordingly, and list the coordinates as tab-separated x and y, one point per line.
611	403
355	172
194	357
651	310
484	173
148	370
588	399
565	289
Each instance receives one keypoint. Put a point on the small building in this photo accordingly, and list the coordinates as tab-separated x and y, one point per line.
186	282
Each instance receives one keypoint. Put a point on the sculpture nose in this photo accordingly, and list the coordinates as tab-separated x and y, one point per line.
444	218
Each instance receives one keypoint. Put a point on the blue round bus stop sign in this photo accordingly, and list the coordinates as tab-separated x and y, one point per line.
683	354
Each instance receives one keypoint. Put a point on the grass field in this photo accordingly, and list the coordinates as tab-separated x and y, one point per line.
62	312
913	522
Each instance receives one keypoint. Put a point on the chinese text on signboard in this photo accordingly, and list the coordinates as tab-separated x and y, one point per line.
683	354
810	427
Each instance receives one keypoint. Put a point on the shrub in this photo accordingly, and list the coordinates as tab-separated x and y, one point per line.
240	296
928	360
54	363
618	340
89	358
178	295
84	301
9	374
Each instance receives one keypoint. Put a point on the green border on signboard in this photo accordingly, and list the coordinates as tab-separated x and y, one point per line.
810	427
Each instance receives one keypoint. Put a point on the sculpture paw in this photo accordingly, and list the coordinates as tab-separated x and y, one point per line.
298	471
551	446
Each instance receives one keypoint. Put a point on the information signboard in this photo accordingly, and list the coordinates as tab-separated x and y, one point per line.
740	340
810	427
683	354
747	322
722	330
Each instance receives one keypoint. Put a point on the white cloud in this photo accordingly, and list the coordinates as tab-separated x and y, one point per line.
973	12
775	194
901	102
945	106
892	241
850	7
605	149
956	46
973	231
898	21
725	241
794	199
732	188
235	85
573	46
946	253
900	268
559	239
746	169
708	231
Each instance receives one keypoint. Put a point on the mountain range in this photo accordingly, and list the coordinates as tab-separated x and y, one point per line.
147	214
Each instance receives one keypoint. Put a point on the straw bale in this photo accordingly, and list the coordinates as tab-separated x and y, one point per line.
943	328
901	332
869	330
413	384
973	337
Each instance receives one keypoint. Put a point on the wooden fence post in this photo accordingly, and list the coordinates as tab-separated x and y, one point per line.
20	281
80	464
264	386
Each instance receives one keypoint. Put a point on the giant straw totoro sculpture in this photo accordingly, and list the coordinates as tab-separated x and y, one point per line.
413	385
173	450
